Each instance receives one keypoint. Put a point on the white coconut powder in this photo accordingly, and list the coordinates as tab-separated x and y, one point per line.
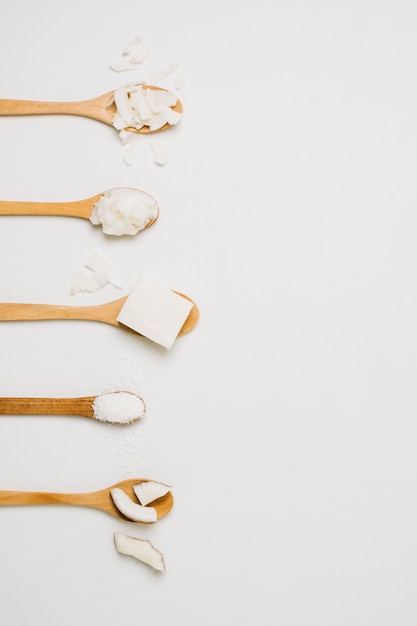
124	211
118	407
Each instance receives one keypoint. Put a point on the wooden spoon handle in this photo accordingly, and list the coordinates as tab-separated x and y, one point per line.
29	312
101	108
35	107
48	406
80	208
19	498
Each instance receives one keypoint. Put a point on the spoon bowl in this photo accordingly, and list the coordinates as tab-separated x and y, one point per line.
101	109
100	500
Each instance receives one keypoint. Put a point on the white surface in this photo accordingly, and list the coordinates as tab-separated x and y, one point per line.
286	420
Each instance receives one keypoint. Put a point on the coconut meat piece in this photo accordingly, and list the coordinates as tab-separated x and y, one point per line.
98	263
162	74
141	549
149	490
160	152
134	54
84	280
155	312
133	511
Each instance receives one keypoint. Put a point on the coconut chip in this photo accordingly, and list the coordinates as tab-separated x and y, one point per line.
156	78
137	106
98	263
132	45
129	153
134	54
149	490
84	280
131	510
140	549
180	81
160	153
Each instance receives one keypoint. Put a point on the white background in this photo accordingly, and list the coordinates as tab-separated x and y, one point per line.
286	420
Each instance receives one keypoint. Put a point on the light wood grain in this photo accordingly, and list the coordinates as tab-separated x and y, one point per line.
106	313
101	108
78	208
82	407
101	500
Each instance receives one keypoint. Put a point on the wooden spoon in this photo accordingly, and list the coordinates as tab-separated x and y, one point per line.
82	407
101	109
97	499
78	208
106	313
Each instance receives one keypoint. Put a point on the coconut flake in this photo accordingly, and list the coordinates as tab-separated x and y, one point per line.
131	510
123	64
139	54
181	81
129	153
149	490
162	74
160	153
140	549
97	263
84	280
119	407
128	137
134	54
132	44
138	106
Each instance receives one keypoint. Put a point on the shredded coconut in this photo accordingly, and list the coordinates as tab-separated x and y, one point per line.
124	211
120	407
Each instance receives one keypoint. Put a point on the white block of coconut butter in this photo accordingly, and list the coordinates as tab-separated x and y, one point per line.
155	312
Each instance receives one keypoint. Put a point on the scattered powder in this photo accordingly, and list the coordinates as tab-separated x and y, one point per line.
128	448
118	407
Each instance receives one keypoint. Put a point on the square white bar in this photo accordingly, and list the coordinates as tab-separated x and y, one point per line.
155	312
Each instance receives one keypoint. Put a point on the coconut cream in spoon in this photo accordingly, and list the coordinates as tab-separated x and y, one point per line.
124	211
